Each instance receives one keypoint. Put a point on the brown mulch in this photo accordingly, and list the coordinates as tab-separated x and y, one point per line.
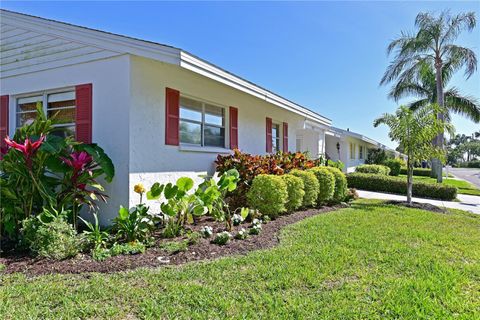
203	250
416	205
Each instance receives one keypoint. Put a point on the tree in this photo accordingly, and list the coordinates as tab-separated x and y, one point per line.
414	130
433	44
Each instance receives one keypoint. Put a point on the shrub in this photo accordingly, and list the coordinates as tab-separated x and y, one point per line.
295	192
336	164
310	187
135	224
376	156
470	164
397	185
326	180
373	169
340	184
268	194
352	194
424	172
395	165
222	238
55	239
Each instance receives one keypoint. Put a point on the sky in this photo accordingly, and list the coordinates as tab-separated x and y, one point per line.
327	56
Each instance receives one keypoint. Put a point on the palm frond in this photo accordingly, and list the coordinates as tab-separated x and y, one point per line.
462	57
466	106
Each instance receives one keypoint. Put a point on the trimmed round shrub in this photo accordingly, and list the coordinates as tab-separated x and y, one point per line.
310	186
295	192
340	184
268	194
395	166
326	180
55	240
373	169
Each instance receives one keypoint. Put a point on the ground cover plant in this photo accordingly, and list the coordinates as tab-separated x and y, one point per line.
370	261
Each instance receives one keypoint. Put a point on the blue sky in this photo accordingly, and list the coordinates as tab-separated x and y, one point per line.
328	56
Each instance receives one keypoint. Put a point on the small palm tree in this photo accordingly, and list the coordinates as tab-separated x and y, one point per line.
433	44
414	130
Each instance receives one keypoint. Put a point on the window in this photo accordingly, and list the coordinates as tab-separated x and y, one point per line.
275	137
352	150
60	105
201	123
360	152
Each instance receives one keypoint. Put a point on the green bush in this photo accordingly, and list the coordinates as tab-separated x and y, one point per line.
54	240
424	172
395	165
398	185
128	248
268	194
373	169
310	186
326	180
295	192
470	164
340	184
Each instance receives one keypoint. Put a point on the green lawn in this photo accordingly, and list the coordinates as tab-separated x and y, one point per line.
370	261
464	187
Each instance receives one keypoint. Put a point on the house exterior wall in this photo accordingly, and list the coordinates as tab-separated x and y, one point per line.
111	100
151	160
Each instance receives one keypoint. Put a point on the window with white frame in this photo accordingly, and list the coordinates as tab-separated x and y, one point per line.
201	123
275	137
60	105
352	150
361	152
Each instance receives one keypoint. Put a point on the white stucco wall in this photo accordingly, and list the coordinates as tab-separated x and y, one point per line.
111	100
151	160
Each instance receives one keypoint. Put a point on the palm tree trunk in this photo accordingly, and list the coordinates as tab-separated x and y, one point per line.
439	140
409	180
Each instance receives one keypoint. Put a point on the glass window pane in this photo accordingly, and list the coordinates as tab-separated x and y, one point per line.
190	132
63	115
64	131
190	109
28	104
214	115
25	118
62	96
214	136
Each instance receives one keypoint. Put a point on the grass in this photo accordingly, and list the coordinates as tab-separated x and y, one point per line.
370	261
464	187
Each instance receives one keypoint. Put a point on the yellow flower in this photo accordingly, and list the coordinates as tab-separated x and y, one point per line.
139	188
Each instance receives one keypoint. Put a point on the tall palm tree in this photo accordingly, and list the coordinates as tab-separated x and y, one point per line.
433	44
423	86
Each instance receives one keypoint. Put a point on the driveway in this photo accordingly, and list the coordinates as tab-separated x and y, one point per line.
472	175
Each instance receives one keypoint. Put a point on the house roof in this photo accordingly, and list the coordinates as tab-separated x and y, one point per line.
157	51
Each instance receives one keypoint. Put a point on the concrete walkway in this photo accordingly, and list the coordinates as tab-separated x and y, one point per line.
467	202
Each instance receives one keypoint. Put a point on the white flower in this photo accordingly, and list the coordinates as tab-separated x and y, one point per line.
256	222
207	231
237	219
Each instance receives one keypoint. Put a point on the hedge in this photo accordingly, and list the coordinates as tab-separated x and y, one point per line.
424	172
397	185
326	179
373	168
268	194
395	166
310	186
340	184
295	190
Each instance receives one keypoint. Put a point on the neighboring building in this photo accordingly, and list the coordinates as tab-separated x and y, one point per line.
352	148
158	111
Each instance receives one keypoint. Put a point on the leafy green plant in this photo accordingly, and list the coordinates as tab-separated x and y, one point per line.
395	166
423	172
376	156
256	227
174	246
206	231
94	236
336	164
49	235
242	234
117	249
373	169
222	238
326	181
135	224
268	194
310	187
340	185
295	190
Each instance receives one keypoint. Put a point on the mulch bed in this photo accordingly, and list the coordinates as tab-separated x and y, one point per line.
416	205
154	256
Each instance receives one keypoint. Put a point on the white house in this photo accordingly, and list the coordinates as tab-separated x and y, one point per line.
352	148
158	111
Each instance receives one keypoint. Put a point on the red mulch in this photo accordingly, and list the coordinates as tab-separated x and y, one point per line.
203	250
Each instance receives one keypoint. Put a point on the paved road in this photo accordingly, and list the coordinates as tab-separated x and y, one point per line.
470	174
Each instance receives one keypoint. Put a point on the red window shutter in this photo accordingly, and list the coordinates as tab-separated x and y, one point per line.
3	120
233	128
83	115
285	137
269	135
172	117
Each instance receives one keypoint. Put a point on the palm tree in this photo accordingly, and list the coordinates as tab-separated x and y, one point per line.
432	44
423	86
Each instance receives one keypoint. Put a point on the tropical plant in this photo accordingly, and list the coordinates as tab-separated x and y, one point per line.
432	46
415	130
135	224
94	236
